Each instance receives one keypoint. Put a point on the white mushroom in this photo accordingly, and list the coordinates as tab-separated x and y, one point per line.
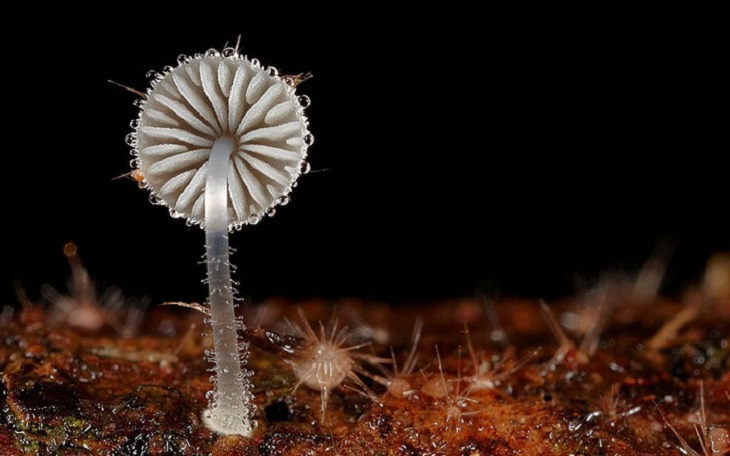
221	140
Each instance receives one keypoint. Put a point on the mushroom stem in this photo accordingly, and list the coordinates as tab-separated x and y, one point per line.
230	406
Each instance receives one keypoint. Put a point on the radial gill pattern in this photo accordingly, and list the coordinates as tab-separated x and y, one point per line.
202	99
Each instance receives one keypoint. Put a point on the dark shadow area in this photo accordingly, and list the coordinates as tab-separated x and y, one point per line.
455	151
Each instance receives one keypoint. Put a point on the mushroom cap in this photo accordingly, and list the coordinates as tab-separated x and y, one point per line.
208	96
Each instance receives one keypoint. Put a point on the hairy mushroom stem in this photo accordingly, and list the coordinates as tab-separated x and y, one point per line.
229	411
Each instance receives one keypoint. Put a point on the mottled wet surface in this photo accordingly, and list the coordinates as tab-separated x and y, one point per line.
609	386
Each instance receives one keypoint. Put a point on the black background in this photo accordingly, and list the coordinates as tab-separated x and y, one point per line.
456	150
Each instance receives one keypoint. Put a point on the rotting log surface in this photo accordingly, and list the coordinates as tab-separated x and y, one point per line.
66	391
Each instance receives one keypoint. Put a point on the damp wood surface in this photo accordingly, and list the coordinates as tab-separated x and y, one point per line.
621	376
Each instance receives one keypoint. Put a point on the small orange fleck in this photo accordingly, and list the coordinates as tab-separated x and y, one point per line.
137	176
